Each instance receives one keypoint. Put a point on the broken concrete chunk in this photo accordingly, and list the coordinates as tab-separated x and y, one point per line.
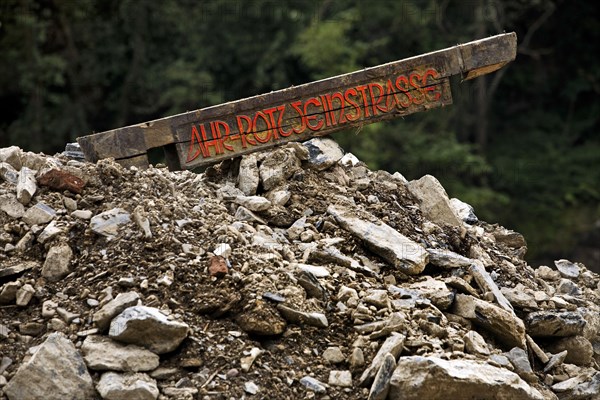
323	153
56	371
433	200
397	249
433	378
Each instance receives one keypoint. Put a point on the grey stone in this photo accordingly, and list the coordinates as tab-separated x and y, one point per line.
333	355
243	214
316	270
509	238
24	295
248	177
17	269
50	232
392	345
340	378
108	222
130	386
463	211
505	325
58	262
149	328
519	296
251	387
8	293
299	317
82	214
520	361
475	343
101	354
278	167
56	371
487	284
296	229
555	361
432	378
567	269
12	156
311	285
349	160
278	197
253	203
49	309
410	257
357	358
323	153
448	259
547	273
377	297
579	350
313	384
435	291
114	307
10	205
38	215
554	323
381	384
67	315
579	388
433	200
8	173
26	186
567	286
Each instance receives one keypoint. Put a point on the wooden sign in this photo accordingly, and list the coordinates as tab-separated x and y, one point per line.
298	113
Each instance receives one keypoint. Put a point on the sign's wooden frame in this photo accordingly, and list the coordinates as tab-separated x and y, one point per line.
392	90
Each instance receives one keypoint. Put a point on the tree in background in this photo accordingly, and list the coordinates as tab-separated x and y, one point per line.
521	144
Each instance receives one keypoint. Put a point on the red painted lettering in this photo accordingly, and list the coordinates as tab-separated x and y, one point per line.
310	118
363	90
347	95
296	106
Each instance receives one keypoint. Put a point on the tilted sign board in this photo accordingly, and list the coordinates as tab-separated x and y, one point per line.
299	113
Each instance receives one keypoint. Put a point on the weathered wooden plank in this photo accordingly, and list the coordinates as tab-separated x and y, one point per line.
318	108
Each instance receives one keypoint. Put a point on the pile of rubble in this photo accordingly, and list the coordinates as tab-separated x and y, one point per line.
295	273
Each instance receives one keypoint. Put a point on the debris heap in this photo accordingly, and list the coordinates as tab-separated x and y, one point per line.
295	273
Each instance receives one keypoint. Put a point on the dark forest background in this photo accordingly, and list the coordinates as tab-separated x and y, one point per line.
521	145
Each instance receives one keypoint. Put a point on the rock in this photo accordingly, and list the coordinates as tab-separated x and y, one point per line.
447	259
50	232
392	345
433	378
311	285
520	361
509	238
504	325
357	358
243	214
340	378
4	364
296	229
55	371
248	176
475	343
555	361
349	160
436	291
554	323
323	153
101	354
463	211
10	205
26	186
58	262
24	295
141	220
377	297
546	273
298	317
253	203
433	200
537	350
316	270
12	155
579	388
8	173
218	267
149	328
519	296
103	316
313	384
31	328
381	385
278	167
567	269
568	287
138	386
108	222
261	319
49	309
251	387
58	179
579	350
82	214
9	292
487	284
333	355
278	197
410	257
38	215
67	315
17	269
246	362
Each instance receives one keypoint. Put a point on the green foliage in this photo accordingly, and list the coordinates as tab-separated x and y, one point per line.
524	151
